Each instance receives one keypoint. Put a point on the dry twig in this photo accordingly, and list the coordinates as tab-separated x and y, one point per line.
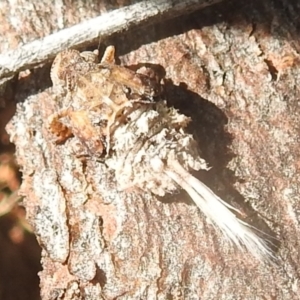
88	32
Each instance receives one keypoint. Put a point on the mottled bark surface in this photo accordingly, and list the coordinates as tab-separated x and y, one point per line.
234	69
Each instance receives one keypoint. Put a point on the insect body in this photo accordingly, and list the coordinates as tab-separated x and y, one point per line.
95	96
111	109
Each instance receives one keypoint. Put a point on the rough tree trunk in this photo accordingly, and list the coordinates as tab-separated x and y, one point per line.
234	69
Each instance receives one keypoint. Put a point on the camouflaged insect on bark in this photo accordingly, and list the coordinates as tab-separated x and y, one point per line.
103	144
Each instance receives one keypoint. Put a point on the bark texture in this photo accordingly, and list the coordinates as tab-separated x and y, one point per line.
234	69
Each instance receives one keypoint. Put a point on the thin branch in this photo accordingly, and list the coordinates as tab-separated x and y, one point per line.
88	32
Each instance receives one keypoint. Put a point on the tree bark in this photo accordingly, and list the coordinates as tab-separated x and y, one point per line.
234	69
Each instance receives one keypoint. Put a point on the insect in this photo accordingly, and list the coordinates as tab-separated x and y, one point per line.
113	110
96	95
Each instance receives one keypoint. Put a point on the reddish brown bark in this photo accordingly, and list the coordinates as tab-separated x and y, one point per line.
234	69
